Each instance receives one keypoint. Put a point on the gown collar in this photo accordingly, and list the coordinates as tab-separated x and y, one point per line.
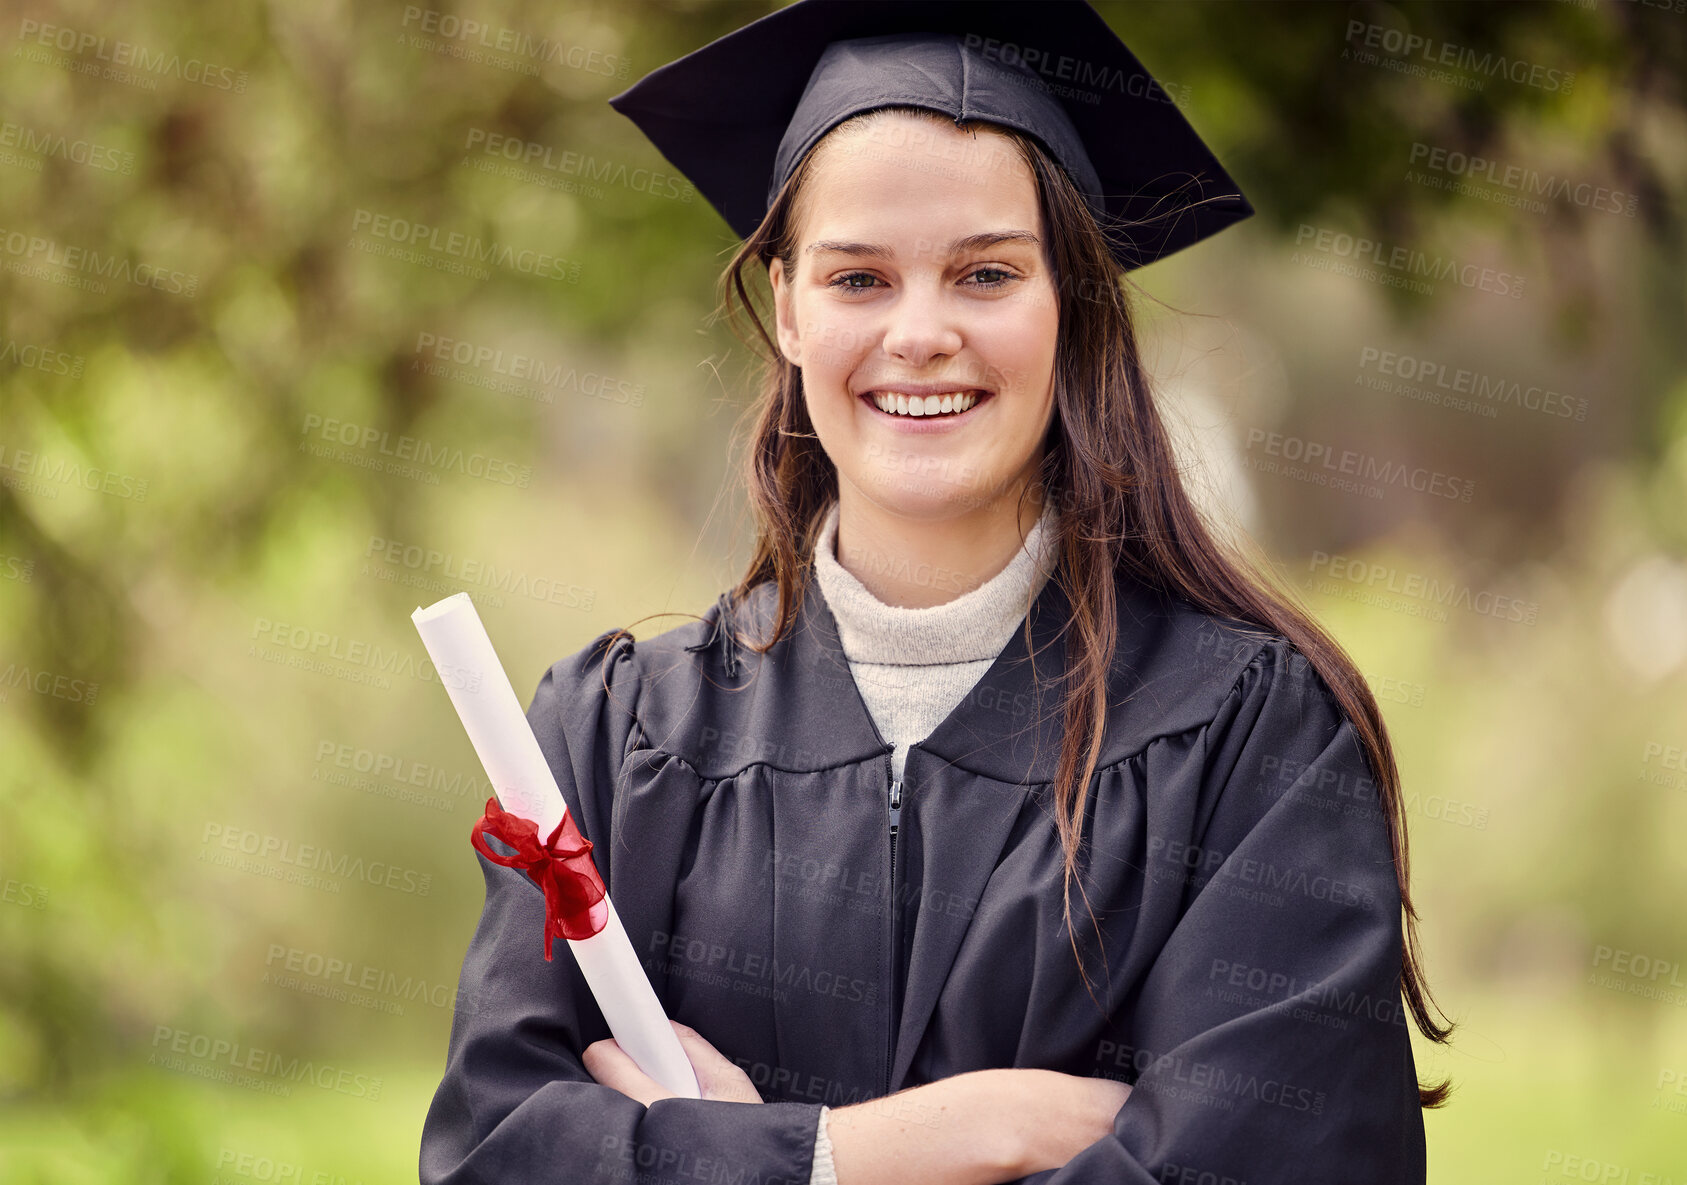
798	708
994	730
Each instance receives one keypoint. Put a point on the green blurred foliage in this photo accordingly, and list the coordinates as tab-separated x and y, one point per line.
165	522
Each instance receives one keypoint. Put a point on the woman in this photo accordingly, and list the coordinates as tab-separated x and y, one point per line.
986	662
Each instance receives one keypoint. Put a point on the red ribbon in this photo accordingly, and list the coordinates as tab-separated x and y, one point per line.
564	870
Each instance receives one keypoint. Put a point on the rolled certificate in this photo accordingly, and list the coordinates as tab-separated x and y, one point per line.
525	787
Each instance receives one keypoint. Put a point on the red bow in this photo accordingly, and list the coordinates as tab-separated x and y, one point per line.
564	871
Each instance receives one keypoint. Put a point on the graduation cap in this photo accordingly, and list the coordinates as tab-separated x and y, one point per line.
738	115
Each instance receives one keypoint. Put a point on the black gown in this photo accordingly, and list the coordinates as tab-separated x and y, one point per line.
1235	856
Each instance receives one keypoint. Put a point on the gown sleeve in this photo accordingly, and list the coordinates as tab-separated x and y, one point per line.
516	1104
1266	1039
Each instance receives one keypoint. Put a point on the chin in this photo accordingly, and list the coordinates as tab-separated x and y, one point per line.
911	495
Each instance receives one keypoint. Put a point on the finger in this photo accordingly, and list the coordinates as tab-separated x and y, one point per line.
717	1075
604	1060
612	1067
714	1069
702	1056
694	1044
593	1056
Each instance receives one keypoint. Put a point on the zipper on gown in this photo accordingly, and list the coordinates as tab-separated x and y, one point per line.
895	818
895	814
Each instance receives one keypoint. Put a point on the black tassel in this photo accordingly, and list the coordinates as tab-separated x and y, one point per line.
729	641
722	633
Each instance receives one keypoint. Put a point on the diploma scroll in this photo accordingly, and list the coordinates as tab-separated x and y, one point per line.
480	690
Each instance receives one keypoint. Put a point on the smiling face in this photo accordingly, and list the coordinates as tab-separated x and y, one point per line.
919	285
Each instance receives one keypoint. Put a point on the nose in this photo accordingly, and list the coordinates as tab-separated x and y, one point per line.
921	326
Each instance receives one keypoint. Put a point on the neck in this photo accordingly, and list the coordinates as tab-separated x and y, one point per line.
916	563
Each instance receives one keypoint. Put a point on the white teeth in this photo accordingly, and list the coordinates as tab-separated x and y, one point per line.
899	404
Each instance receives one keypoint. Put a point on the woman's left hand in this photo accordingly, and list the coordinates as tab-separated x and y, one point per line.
717	1077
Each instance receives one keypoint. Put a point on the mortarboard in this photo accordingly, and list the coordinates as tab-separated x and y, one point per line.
738	115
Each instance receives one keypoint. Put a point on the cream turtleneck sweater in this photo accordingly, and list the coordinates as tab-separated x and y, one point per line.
912	666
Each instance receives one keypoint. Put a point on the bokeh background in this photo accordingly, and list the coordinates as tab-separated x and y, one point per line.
252	417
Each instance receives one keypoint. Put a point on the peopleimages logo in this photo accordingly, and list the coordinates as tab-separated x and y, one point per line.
1524	182
173	1047
39	469
1315	455
466	248
419	567
31	253
1436	381
403	448
315	649
545	159
1422	50
1084	80
1451	594
464	33
117	53
1407	262
310	859
40	143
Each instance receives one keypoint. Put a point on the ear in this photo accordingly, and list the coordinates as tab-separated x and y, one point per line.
784	314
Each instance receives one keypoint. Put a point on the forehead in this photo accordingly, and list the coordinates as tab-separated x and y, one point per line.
900	178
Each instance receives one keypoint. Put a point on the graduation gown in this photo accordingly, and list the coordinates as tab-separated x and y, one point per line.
1244	962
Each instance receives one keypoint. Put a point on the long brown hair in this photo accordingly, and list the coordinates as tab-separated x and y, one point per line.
1109	463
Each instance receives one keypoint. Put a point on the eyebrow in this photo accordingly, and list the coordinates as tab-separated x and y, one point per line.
988	238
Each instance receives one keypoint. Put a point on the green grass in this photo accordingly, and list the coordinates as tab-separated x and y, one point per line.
147	1126
1545	1092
